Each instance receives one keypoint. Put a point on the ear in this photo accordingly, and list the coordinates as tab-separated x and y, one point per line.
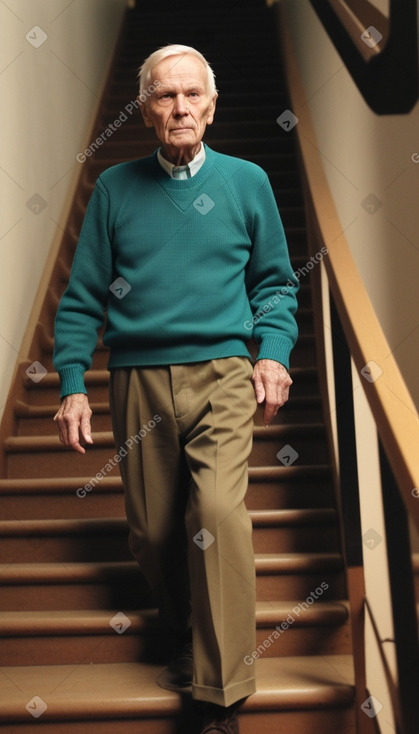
144	112
211	109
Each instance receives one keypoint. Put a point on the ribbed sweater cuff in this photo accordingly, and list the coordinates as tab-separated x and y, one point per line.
277	348
72	380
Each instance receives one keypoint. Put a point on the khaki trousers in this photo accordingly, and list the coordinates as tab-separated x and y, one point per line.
187	430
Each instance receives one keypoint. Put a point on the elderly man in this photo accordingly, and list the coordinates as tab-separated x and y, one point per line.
186	251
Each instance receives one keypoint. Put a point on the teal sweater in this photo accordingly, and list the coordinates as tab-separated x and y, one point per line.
186	270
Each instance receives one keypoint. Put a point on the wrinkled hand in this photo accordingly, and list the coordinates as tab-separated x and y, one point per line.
73	420
272	383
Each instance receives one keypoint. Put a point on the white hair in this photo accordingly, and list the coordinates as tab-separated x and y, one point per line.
173	49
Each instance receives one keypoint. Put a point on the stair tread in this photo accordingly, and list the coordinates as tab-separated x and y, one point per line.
79	572
16	623
34	485
52	442
97	621
297	562
72	691
107	526
71	484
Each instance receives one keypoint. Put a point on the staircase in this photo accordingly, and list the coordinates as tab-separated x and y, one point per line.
80	641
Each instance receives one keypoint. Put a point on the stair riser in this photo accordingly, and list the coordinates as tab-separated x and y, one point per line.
223	56
304	355
296	495
51	395
262	722
76	549
49	506
311	449
84	649
81	548
46	426
299	586
105	595
63	463
304	539
132	595
290	414
120	648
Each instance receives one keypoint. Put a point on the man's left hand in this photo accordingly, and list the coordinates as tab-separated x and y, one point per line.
272	383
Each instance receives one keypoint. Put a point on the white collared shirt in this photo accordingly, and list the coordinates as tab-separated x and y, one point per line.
194	165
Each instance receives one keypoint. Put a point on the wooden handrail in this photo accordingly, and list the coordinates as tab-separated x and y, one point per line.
384	65
391	404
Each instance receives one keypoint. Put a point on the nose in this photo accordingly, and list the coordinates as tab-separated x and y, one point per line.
180	107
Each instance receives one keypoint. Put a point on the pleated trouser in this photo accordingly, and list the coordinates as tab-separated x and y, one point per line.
187	433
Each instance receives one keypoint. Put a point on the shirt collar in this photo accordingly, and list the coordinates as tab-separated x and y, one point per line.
194	165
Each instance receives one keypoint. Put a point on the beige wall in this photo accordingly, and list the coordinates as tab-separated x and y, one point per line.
48	95
363	154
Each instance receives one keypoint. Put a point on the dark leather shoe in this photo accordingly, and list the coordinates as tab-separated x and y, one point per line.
177	676
219	720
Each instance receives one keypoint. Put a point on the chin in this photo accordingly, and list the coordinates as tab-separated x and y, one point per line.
183	136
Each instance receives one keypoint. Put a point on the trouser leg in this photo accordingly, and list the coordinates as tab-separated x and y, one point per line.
156	479
221	558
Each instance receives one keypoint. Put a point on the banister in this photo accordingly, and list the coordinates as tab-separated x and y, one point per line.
391	404
380	51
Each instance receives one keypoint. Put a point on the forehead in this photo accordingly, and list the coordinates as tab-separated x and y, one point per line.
180	69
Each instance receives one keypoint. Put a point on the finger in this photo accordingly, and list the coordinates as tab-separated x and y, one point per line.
85	429
285	395
73	436
259	389
62	431
270	412
78	447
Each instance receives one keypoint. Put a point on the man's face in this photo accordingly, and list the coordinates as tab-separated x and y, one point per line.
181	107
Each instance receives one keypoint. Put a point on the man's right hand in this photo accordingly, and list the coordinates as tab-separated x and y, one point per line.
73	420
